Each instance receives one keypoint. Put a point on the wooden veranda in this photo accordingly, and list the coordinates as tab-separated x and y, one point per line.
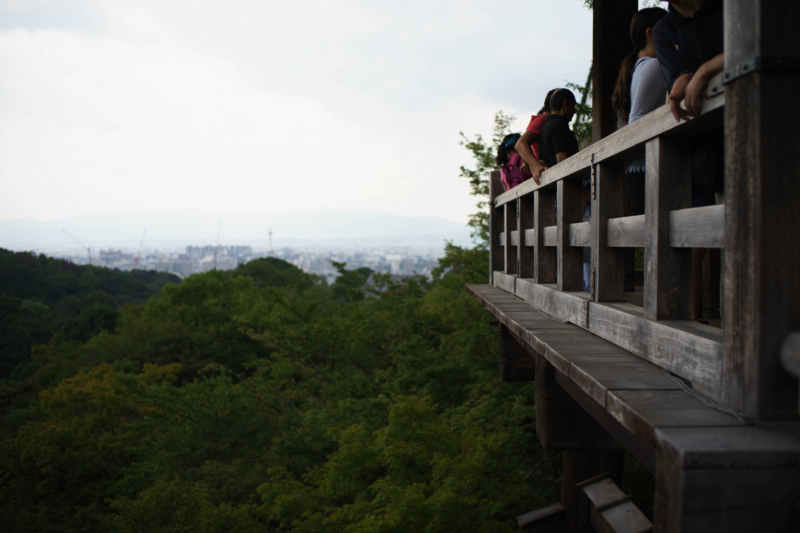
711	412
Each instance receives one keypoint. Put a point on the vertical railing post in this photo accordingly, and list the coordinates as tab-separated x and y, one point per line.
608	264
510	219
570	258
544	258
496	223
667	271
525	253
762	195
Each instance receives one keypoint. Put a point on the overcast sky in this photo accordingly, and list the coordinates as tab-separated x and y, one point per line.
264	106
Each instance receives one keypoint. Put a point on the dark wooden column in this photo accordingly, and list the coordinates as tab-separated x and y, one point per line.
570	258
496	225
608	264
611	43
762	194
526	243
544	258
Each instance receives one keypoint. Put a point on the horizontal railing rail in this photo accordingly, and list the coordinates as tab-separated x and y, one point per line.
537	249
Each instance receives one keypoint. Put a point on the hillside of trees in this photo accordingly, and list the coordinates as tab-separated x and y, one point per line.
263	400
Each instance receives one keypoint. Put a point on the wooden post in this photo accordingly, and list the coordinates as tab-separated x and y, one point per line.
608	264
667	271
510	218
762	194
516	364
570	258
526	246
611	43
544	216
496	224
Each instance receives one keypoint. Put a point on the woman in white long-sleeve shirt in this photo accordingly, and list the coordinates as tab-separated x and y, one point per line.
639	90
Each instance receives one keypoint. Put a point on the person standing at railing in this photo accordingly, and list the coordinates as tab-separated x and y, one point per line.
528	145
639	90
689	45
558	142
513	170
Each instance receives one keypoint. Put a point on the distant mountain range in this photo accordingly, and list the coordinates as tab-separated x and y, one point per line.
330	229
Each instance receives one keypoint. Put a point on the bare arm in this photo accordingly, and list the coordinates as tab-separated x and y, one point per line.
523	147
699	82
561	156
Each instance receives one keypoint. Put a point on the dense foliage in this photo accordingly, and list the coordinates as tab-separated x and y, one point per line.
41	297
262	401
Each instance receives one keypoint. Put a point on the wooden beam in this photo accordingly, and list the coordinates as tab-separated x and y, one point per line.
611	43
527	240
496	225
667	284
580	234
608	264
626	232
516	364
544	216
761	269
700	227
510	221
570	259
561	424
551	236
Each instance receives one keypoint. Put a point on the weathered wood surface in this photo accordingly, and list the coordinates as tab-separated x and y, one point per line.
626	232
727	479
496	224
612	510
570	259
544	258
580	234
608	263
622	144
762	193
515	363
667	271
527	238
510	249
578	467
551	518
562	424
790	353
551	236
687	348
572	307
514	240
699	227
504	281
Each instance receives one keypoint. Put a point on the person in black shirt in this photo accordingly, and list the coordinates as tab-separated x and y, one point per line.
689	45
556	141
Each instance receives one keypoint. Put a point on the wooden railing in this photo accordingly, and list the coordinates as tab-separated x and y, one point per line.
539	256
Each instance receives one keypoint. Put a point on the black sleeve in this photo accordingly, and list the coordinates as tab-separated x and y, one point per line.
564	140
669	58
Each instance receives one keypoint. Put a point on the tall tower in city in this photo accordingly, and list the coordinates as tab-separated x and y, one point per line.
270	240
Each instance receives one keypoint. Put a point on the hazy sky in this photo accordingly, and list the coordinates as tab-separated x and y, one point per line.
262	106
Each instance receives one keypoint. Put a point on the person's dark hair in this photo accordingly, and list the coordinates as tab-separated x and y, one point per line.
546	107
621	99
559	97
506	146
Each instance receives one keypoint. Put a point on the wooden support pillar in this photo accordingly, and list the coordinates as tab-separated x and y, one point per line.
667	271
570	258
544	216
611	43
526	246
608	264
496	224
510	217
516	364
762	194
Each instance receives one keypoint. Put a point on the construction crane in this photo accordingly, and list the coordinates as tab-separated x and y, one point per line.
141	243
88	249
